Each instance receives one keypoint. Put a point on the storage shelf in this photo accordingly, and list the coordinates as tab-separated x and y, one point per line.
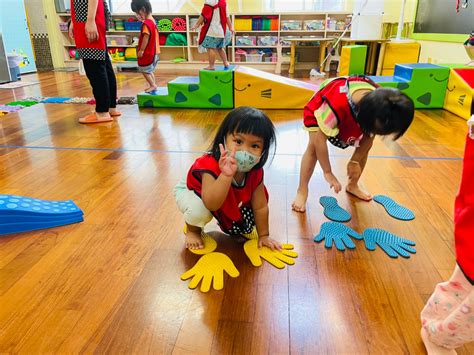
190	52
260	31
237	46
302	31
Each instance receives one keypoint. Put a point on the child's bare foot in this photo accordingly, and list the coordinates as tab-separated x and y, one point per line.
194	240
432	348
151	89
355	190
299	203
209	68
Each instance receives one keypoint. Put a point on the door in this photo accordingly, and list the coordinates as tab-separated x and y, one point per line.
16	34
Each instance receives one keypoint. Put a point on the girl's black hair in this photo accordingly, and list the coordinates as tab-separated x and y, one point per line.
246	120
385	111
144	5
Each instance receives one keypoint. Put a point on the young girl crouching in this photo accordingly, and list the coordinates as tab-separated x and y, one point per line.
227	182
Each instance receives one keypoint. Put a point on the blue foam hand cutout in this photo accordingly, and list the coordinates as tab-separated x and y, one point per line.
338	234
394	209
333	211
391	244
26	206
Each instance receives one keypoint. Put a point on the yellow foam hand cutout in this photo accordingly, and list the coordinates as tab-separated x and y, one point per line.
277	258
209	270
209	245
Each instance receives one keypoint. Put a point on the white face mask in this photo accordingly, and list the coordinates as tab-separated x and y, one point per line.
245	161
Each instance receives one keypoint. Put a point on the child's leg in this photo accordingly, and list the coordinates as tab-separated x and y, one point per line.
148	79
196	216
223	55
448	317
308	163
211	52
353	183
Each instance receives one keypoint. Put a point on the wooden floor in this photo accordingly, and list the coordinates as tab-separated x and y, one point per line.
112	283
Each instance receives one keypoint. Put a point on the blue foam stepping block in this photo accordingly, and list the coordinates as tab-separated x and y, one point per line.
55	100
32	226
391	244
333	211
12	205
6	219
394	209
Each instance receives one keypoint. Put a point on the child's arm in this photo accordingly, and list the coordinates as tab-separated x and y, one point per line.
146	39
229	24
260	213
199	22
214	191
319	141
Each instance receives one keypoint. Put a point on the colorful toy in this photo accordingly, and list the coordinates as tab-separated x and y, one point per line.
176	39
399	53
212	89
165	25
72	53
22	103
353	60
333	211
131	54
424	83
264	90
460	92
24	214
178	24
394	209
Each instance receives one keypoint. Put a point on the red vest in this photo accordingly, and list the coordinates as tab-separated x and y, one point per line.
335	94
234	212
80	27
150	50
464	215
208	12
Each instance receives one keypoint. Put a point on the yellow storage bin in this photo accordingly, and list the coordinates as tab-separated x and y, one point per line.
243	24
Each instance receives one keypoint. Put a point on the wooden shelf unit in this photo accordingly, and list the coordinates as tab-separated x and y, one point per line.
190	51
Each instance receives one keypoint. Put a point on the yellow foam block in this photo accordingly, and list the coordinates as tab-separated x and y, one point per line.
263	90
459	95
344	62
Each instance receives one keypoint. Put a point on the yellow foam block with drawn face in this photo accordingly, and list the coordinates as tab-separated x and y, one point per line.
460	92
263	90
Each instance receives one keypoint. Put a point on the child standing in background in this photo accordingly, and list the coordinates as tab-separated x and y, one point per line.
349	111
148	50
448	317
213	36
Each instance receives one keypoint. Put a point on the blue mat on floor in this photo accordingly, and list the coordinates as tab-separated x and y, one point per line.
55	100
333	211
394	209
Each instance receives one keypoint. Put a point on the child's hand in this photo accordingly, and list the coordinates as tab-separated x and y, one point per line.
140	54
227	162
333	182
269	242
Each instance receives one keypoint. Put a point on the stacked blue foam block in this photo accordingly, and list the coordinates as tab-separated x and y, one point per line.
23	214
